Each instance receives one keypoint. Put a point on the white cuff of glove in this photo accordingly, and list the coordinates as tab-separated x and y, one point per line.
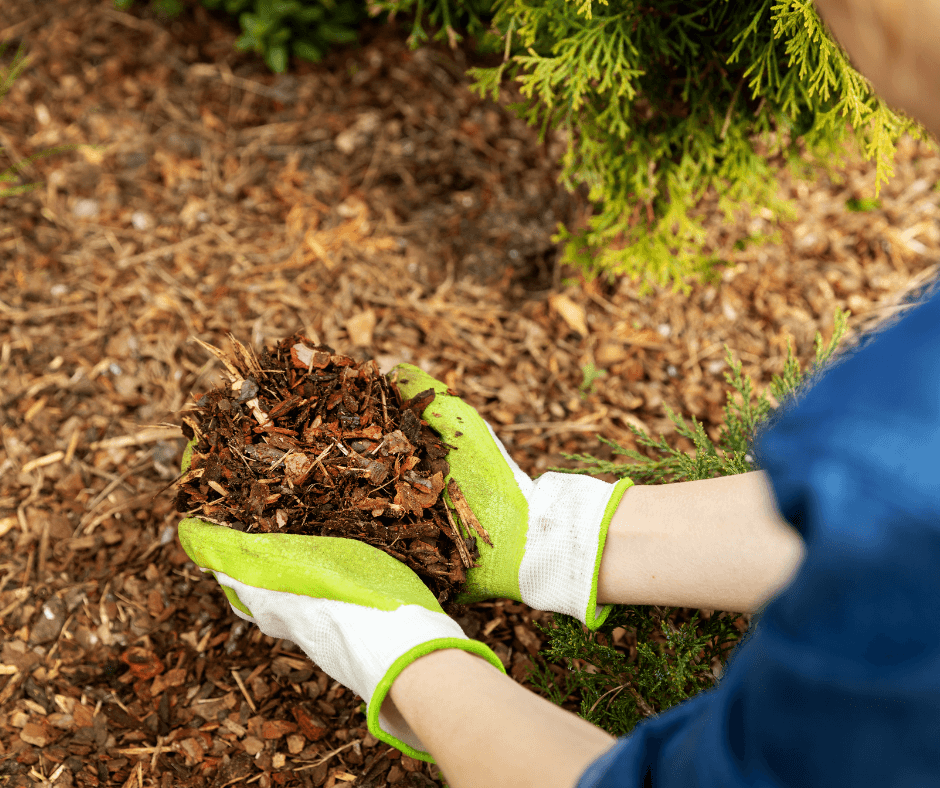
568	518
563	544
354	645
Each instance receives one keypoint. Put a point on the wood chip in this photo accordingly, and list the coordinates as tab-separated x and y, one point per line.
244	691
382	485
42	462
466	513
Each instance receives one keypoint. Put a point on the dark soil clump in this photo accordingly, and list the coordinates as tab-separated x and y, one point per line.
306	441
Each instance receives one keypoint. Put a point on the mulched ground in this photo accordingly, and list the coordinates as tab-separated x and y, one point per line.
377	206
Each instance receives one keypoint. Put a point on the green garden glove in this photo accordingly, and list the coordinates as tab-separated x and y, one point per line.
548	534
358	613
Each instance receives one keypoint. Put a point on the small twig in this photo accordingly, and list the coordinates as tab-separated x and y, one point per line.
458	540
148	435
70	449
41	462
233	371
467	516
250	86
169	249
137	500
241	686
280	459
384	406
20	595
115	482
734	98
329	755
319	461
641	704
615	690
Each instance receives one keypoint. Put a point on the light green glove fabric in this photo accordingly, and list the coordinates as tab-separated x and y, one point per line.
548	534
487	482
358	613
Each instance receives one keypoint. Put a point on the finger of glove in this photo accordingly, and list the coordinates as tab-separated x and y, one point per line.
461	425
314	566
494	486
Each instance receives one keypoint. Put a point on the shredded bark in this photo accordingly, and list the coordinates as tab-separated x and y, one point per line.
307	441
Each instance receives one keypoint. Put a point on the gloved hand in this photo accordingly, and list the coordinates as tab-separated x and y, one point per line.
359	614
548	534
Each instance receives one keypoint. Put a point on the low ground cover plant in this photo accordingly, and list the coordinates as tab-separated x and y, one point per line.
670	654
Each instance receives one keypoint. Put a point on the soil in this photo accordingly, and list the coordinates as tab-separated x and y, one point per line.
306	441
376	205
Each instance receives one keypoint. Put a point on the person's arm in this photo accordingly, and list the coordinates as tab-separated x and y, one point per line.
484	729
719	544
716	543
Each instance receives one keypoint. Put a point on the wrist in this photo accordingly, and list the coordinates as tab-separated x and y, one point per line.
484	729
391	721
441	661
569	517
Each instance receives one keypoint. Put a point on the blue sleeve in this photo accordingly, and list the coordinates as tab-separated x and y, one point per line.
837	682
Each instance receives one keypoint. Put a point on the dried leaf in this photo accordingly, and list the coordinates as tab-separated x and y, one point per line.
570	312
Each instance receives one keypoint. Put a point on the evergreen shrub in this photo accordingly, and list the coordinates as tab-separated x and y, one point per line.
668	107
667	102
677	654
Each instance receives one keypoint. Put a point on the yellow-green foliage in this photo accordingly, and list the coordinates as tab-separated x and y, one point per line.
665	101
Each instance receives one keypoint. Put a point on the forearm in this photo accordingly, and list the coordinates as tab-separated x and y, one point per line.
484	729
719	544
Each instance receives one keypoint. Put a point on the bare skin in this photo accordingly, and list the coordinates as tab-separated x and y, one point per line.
484	729
716	543
719	544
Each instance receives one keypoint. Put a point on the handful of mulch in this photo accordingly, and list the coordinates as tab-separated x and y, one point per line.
306	441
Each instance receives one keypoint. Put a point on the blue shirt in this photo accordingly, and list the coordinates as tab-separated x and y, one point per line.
837	682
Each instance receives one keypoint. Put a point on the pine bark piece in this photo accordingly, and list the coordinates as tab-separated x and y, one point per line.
466	513
303	440
458	540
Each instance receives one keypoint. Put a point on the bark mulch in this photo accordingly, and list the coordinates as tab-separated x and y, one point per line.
375	205
306	441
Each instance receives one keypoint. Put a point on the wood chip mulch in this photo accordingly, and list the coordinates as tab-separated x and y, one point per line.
303	440
376	205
